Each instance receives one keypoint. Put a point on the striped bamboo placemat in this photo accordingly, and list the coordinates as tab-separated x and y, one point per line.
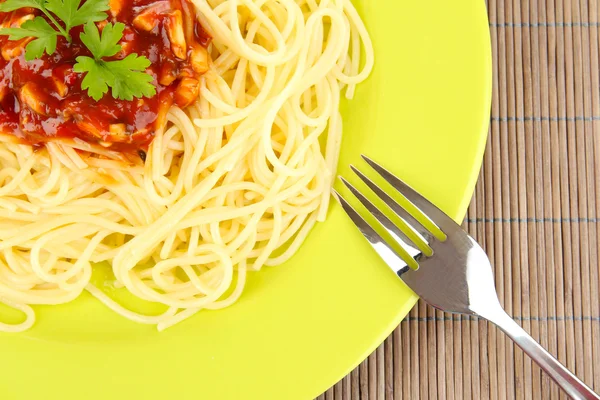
535	211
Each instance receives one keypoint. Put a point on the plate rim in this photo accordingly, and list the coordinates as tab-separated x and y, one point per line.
457	216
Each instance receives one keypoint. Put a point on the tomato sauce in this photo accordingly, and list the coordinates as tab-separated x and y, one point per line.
42	100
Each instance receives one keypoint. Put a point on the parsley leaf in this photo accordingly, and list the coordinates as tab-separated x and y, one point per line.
126	77
38	28
96	79
91	10
105	46
11	5
72	14
131	80
35	48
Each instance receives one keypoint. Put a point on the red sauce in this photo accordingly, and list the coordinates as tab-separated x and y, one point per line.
61	109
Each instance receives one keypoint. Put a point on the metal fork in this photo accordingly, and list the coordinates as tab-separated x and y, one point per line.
454	274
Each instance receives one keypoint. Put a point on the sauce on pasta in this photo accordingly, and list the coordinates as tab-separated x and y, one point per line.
41	100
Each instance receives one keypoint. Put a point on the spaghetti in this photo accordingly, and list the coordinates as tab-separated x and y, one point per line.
232	183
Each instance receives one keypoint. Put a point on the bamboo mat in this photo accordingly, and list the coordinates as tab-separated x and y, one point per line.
535	211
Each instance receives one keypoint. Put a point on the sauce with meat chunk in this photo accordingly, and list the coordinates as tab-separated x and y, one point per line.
41	100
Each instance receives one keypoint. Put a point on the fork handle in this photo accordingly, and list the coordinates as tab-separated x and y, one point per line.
563	377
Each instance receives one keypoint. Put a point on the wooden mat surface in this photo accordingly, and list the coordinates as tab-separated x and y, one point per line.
535	211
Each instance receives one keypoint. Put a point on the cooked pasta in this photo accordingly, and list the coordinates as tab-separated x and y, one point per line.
230	184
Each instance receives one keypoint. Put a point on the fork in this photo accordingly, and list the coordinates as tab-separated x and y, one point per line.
453	273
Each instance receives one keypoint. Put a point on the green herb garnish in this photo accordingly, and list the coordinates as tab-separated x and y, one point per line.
38	28
125	77
69	11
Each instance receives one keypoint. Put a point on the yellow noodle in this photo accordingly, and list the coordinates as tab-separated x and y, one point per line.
229	185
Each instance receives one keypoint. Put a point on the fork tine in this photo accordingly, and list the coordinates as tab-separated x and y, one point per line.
399	236
411	221
429	210
385	251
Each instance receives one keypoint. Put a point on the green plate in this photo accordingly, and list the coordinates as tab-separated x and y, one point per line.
298	328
